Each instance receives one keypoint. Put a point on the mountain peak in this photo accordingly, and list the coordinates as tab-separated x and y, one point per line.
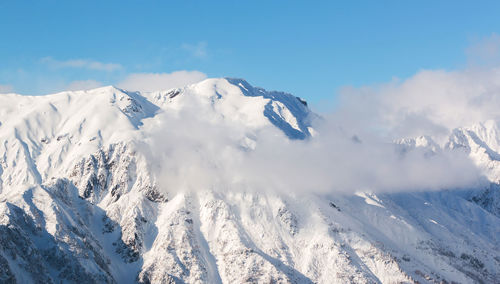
238	100
80	200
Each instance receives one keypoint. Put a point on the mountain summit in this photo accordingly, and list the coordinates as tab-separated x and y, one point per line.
113	186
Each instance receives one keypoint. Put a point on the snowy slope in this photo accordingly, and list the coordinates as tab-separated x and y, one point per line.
81	201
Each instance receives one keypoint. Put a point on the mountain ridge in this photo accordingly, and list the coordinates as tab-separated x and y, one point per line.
81	202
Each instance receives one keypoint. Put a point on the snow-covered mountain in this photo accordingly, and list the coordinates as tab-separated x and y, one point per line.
82	199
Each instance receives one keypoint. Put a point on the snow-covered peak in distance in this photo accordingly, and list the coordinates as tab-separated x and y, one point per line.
481	142
237	100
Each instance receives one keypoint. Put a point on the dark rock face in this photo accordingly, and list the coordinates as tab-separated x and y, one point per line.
489	199
46	259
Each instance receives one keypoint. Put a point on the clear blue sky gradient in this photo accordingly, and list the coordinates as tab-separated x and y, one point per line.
308	48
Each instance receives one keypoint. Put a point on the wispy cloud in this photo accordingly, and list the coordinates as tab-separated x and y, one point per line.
6	89
81	63
160	81
198	50
83	85
485	51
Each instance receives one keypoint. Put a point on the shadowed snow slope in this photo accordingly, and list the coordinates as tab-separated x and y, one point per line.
83	198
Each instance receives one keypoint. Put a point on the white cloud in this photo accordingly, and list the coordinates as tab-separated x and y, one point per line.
186	150
198	50
160	81
81	63
83	85
431	102
5	89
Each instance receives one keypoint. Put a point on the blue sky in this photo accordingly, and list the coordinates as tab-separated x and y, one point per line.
308	48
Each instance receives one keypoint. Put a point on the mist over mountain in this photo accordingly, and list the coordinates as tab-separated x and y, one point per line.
223	182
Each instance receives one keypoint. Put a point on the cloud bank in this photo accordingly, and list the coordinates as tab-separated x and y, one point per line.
353	151
432	102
